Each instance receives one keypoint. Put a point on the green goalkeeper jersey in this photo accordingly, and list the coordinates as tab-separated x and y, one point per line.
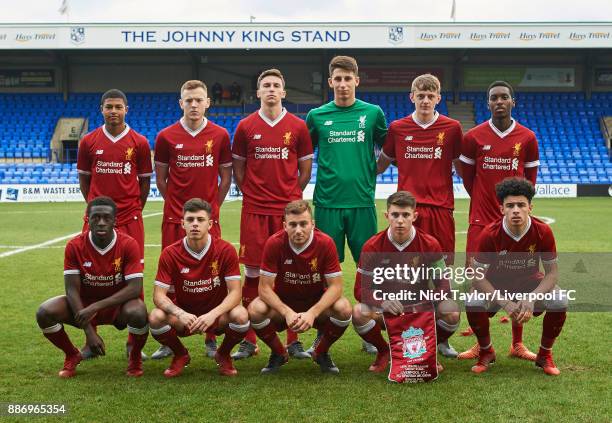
346	136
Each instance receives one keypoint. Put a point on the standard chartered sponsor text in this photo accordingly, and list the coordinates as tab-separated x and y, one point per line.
109	167
497	163
342	136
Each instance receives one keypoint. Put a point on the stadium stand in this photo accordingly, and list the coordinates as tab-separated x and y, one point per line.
572	148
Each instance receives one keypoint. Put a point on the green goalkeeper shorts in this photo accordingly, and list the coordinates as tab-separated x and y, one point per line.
356	224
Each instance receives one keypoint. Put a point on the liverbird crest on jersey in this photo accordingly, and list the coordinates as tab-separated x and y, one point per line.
313	264
129	153
214	268
287	138
117	264
209	146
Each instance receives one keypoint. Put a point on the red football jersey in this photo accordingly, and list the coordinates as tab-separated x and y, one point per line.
193	159
420	250
496	155
272	150
103	272
300	275
424	154
514	262
198	279
115	163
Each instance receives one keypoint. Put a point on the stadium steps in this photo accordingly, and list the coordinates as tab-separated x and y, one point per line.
463	112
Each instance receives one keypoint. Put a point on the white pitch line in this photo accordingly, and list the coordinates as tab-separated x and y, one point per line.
55	240
547	220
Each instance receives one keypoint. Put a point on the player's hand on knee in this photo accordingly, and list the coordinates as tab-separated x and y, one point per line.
202	323
511	308
305	322
525	311
84	316
394	307
187	319
293	320
95	343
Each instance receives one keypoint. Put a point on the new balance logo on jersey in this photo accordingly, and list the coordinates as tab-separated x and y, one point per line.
185	270
362	121
98	152
408	138
486	147
257	136
87	264
179	146
328	123
288	261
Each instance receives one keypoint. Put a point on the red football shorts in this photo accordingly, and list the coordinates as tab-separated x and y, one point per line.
255	229
106	316
172	232
439	223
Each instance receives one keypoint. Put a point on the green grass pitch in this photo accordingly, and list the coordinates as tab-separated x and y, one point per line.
511	390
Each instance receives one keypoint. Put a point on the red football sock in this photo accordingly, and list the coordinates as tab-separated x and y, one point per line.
249	293
291	337
374	337
479	322
332	331
137	338
551	328
517	333
232	337
170	339
268	334
60	339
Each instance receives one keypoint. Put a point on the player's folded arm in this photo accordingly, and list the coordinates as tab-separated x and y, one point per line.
331	294
72	286
267	294
161	300
131	290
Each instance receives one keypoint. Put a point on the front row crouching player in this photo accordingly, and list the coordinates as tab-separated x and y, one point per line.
300	287
510	250
401	242
205	275
103	281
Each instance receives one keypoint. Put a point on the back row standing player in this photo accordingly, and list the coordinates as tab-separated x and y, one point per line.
346	132
492	151
427	144
272	160
193	159
115	161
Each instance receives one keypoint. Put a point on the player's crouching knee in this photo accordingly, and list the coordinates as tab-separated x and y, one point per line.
239	315
137	313
452	318
157	318
257	310
342	309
